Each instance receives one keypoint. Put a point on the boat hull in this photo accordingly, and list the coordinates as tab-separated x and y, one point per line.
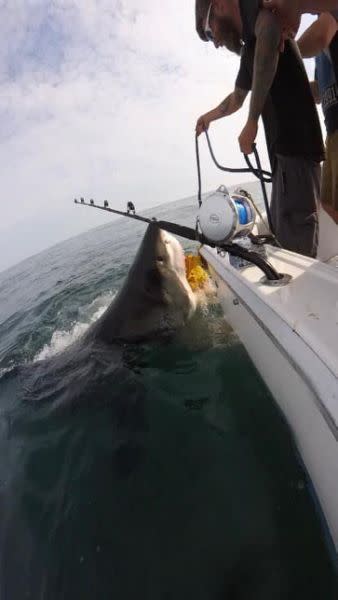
287	365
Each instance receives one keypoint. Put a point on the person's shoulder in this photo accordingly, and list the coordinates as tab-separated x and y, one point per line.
249	10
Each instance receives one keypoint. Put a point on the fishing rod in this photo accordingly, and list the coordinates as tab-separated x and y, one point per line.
194	235
181	230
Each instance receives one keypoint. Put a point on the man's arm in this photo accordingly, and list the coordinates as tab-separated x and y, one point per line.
288	8
289	13
318	36
268	35
228	106
317	6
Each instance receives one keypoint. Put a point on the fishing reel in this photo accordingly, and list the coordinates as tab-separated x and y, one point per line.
223	217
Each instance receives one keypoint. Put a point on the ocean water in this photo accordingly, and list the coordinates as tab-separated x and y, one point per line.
161	471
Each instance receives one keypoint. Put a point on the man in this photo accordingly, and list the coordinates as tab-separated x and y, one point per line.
244	20
321	40
291	125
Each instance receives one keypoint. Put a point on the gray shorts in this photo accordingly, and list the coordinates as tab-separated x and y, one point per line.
294	203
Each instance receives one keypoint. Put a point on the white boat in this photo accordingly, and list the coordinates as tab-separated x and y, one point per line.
289	324
290	330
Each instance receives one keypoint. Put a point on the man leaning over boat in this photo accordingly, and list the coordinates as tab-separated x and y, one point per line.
291	124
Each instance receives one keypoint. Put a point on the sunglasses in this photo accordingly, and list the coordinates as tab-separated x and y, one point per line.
209	36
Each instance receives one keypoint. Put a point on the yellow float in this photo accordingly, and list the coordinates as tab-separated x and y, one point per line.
197	274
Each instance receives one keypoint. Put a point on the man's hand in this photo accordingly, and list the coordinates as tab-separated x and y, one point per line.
248	136
202	124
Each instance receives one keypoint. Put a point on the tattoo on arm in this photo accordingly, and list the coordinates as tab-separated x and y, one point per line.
233	102
240	95
225	105
268	34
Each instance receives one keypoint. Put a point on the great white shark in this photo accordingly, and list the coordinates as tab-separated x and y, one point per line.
154	303
155	299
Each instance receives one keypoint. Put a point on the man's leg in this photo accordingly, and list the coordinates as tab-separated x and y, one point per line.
294	203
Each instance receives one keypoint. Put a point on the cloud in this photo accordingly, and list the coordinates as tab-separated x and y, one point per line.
100	98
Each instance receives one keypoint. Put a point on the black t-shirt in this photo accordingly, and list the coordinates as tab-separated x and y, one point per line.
290	116
249	10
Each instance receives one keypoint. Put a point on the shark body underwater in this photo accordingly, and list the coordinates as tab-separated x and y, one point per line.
61	400
154	303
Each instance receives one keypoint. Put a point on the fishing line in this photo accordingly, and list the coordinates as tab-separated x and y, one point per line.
263	176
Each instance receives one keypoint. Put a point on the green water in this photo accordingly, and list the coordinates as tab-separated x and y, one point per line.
159	472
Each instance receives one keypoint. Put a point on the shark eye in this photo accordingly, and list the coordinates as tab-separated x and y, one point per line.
160	258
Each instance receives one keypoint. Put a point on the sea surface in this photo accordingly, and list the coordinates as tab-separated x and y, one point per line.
155	472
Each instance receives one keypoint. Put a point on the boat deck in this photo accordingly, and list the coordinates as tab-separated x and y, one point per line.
309	303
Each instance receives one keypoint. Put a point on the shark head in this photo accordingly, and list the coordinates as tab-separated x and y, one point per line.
156	298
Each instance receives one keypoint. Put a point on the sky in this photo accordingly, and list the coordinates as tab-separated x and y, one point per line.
99	98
